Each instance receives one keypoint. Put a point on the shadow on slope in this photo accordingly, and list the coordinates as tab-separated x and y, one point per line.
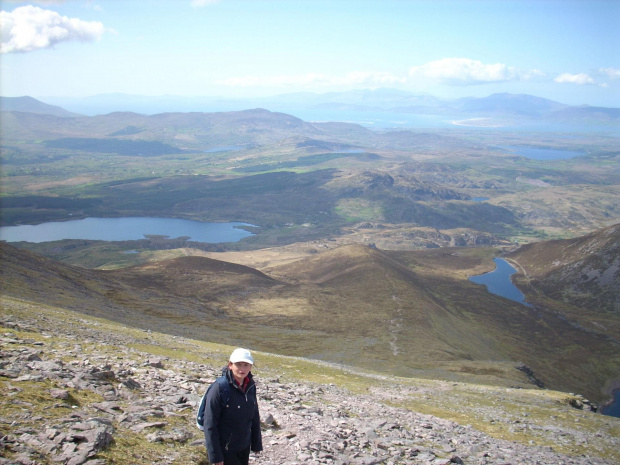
403	313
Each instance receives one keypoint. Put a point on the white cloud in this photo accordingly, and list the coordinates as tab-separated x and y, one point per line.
463	71
39	2
30	28
316	79
201	3
611	73
379	78
580	79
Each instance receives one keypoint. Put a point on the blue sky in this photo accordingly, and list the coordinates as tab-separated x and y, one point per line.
563	50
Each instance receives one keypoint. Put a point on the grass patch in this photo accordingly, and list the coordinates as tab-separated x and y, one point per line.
131	447
179	354
354	210
29	402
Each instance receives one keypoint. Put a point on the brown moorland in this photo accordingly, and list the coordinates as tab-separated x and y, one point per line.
410	313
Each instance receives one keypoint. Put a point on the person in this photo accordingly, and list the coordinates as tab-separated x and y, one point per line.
232	427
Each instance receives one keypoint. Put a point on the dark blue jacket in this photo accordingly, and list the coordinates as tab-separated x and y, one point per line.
235	426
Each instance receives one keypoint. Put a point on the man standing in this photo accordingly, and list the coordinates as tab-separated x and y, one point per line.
232	420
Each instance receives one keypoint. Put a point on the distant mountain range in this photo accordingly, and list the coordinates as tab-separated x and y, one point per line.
505	106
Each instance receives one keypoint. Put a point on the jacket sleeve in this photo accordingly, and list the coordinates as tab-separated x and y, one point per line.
212	423
257	438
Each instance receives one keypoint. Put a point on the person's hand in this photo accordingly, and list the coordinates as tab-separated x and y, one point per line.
219	463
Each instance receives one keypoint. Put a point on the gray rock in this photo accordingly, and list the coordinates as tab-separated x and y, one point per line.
61	394
155	363
154	424
132	384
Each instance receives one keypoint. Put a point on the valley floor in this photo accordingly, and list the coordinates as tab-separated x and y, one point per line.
85	390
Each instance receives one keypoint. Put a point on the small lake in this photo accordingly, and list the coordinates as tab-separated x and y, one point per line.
541	154
613	409
498	281
125	229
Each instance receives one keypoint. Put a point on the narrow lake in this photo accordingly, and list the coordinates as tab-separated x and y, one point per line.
125	229
541	154
498	281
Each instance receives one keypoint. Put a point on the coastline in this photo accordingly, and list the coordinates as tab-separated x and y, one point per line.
477	122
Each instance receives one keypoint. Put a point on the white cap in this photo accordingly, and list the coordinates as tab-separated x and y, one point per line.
241	355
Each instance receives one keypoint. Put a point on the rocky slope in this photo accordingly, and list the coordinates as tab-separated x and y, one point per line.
81	390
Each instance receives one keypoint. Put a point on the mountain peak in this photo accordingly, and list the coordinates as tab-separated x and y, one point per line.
29	104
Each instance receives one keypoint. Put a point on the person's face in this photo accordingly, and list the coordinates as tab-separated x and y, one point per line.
240	370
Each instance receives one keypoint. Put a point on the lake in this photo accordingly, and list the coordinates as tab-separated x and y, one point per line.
125	229
613	409
498	281
541	154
